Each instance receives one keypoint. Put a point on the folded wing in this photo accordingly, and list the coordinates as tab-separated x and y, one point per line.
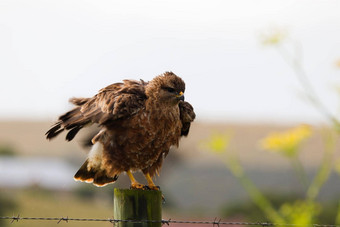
114	102
187	116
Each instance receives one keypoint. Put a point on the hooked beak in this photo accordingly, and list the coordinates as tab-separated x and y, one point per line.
180	96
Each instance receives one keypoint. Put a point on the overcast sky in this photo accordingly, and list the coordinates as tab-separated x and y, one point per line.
53	50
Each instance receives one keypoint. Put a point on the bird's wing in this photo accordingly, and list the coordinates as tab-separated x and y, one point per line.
116	101
187	116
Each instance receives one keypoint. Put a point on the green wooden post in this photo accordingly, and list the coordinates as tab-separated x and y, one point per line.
132	204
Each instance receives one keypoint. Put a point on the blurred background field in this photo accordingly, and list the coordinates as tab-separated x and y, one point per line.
253	70
38	179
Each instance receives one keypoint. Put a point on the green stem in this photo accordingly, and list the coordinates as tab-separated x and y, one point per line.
295	63
300	171
256	196
337	219
325	168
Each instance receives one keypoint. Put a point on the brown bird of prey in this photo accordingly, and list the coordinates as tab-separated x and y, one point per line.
139	122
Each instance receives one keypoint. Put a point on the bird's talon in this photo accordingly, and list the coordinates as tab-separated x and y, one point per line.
137	186
154	187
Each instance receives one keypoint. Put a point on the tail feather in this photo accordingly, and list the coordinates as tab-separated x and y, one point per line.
72	121
96	176
54	131
73	132
83	174
101	179
79	101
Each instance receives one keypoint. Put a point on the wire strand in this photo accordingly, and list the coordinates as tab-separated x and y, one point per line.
215	222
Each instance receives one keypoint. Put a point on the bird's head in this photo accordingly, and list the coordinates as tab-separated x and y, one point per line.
166	88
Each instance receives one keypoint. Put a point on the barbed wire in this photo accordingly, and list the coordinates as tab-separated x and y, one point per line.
216	222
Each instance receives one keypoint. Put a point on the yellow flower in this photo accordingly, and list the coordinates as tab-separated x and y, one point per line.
273	36
300	212
217	142
286	142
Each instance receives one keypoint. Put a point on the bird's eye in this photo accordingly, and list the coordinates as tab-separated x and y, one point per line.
170	89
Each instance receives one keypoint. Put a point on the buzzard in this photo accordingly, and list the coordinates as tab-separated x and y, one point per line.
139	122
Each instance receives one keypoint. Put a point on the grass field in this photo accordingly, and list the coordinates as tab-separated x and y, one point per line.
28	138
188	175
41	203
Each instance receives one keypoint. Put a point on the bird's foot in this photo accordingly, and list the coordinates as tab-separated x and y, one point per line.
137	186
152	187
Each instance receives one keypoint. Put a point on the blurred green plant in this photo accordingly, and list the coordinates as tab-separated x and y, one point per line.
6	204
7	150
236	169
218	142
288	143
304	211
294	59
291	51
273	36
248	210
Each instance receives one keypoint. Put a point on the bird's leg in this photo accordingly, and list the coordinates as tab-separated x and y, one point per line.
151	185
134	183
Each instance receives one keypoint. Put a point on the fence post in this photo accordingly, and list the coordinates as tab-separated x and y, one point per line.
132	204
